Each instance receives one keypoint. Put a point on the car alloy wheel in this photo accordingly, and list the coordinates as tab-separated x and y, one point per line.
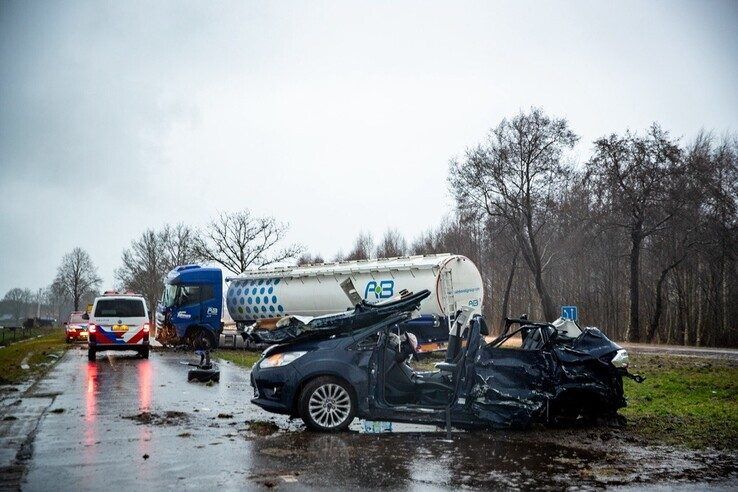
329	405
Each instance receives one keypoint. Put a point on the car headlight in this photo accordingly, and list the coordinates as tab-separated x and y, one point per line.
281	359
620	360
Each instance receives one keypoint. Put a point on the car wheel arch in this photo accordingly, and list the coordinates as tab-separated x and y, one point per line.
295	412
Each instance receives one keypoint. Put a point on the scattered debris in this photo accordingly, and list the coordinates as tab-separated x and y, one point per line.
262	427
170	417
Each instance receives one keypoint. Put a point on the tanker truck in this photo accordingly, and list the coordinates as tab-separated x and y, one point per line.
192	305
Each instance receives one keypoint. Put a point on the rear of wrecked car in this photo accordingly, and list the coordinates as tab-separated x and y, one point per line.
588	384
563	381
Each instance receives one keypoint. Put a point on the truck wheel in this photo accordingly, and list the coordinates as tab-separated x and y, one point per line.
327	405
91	355
144	352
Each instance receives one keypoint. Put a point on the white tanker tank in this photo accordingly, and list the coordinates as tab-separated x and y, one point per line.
315	290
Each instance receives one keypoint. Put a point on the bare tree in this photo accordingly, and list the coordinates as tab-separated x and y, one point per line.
59	306
77	276
239	240
146	262
636	181
427	243
363	247
144	267
516	175
392	244
308	259
18	301
178	245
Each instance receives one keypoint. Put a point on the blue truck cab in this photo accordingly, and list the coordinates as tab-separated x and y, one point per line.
191	306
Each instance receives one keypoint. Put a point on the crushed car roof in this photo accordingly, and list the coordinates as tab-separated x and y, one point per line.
292	328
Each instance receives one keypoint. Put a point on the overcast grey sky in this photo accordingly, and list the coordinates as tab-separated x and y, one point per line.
336	117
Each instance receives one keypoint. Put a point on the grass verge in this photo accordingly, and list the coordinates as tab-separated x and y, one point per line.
685	400
35	352
239	357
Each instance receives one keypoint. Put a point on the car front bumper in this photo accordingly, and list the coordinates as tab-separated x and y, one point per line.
274	388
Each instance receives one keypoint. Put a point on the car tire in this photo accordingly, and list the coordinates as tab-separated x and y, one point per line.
327	404
144	353
204	375
91	355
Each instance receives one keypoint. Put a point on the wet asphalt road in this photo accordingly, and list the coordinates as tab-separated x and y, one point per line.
92	435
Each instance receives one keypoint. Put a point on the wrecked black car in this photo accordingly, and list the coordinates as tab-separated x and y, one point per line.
331	369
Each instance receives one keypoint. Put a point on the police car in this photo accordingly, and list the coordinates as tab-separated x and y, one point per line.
118	321
76	328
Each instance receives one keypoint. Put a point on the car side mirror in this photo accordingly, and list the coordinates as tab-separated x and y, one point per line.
85	316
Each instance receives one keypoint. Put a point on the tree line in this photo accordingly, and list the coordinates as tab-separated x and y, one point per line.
641	235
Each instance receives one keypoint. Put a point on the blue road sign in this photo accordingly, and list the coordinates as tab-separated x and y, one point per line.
570	312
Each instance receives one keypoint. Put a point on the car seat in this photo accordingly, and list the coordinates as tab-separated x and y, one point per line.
398	375
476	328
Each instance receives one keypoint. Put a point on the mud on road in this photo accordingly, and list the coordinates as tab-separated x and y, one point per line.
127	423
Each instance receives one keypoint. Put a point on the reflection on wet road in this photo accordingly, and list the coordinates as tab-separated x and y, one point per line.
127	423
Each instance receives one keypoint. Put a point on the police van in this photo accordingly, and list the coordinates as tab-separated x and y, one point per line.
118	321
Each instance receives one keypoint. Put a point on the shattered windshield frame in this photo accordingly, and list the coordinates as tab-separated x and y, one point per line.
169	295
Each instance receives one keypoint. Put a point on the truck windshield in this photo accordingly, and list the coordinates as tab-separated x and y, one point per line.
169	295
